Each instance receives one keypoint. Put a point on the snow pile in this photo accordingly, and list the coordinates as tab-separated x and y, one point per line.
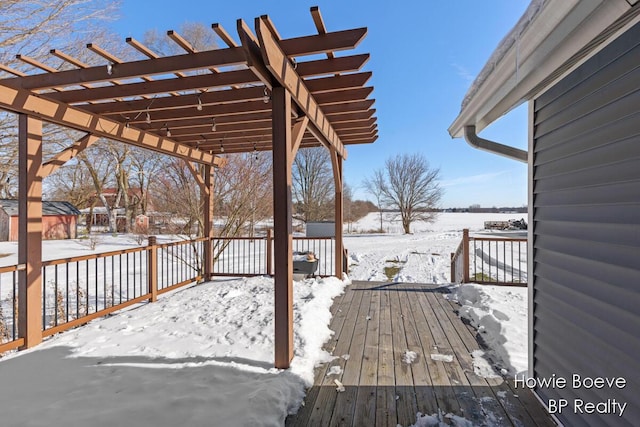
481	365
409	357
335	370
225	327
442	357
437	420
499	313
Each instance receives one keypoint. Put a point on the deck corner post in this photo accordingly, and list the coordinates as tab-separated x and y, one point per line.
152	271
465	255
30	316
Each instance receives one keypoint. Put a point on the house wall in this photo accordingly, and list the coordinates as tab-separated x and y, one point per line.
586	232
54	227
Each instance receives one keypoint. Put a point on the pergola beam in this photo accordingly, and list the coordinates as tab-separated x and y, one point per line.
347	107
343	96
239	118
343	64
67	154
154	87
224	35
126	70
323	43
346	81
197	177
277	62
24	102
299	128
208	112
353	116
213	97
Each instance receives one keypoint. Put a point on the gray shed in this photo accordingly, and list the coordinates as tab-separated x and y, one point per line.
577	63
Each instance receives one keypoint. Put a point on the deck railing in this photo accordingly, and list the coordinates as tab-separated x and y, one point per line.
490	260
253	256
9	299
79	289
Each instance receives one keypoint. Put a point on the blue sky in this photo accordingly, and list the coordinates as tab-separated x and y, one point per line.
424	56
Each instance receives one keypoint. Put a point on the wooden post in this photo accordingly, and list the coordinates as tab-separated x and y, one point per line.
336	163
345	265
465	255
453	268
30	230
283	253
269	253
152	268
207	206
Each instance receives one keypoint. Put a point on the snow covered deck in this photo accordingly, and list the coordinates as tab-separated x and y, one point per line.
401	349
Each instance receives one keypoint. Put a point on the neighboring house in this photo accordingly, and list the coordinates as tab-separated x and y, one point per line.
577	63
138	199
59	220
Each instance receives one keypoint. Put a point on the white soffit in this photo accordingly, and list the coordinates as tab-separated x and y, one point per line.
559	30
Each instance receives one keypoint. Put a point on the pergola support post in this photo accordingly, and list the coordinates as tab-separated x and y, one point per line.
336	163
30	230
282	210
207	206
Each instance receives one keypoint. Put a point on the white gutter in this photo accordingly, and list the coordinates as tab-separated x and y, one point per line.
494	147
552	38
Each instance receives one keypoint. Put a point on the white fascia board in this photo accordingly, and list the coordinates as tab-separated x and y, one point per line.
560	30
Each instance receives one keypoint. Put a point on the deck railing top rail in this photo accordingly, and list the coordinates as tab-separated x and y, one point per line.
490	260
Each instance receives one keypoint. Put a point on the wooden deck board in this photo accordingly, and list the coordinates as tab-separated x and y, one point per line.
365	407
406	406
375	323
345	401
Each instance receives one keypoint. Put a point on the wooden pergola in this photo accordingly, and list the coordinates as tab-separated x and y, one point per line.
255	94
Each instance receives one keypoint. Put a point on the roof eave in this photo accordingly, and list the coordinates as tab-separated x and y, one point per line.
558	32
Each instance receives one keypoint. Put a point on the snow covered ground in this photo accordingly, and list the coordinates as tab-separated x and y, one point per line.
203	355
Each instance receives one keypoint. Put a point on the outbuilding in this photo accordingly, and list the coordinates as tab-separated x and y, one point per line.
59	220
577	64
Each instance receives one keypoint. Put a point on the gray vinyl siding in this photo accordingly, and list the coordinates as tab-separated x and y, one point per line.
586	230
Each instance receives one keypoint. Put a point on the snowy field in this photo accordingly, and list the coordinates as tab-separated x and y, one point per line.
203	355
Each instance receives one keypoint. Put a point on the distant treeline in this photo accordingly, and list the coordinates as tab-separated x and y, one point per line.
521	209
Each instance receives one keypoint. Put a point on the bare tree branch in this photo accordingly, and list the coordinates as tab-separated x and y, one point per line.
410	186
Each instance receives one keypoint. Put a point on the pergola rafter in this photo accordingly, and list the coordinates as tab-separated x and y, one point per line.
259	93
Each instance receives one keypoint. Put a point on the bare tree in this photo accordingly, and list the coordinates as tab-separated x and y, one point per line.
411	186
177	192
375	185
244	188
29	26
313	186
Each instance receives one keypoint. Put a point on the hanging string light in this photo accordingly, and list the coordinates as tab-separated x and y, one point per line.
213	124
266	97
199	106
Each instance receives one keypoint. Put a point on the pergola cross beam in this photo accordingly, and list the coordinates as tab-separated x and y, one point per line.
282	69
25	102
